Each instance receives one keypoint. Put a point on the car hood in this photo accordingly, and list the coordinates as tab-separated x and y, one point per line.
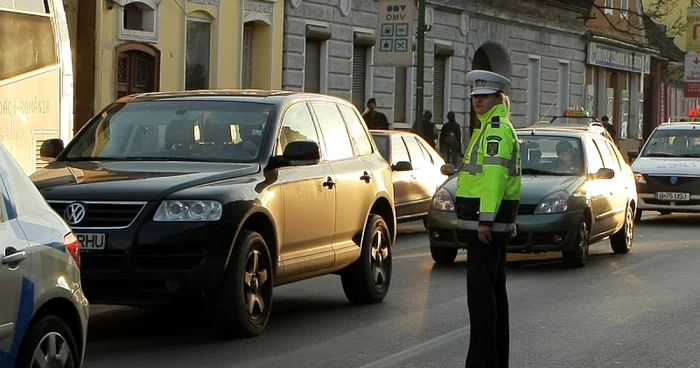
534	188
133	181
667	166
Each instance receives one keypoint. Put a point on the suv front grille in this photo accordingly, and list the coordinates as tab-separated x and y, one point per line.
100	214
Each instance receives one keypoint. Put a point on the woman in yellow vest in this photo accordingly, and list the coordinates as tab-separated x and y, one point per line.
488	194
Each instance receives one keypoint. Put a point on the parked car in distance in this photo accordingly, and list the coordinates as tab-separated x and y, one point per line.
223	195
43	313
667	169
567	203
415	171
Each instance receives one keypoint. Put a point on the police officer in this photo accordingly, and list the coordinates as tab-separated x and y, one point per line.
488	194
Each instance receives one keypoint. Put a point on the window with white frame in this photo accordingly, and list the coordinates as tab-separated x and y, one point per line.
247	57
361	68
314	58
198	54
695	3
533	90
400	78
138	20
564	80
624	8
609	5
441	82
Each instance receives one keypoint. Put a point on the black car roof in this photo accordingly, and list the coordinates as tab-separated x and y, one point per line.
252	95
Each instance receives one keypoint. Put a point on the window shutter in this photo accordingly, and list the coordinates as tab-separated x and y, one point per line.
312	67
400	95
359	58
439	89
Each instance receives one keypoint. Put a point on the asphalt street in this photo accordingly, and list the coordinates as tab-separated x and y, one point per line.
635	310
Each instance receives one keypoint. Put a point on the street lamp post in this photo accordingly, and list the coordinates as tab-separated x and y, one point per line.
420	61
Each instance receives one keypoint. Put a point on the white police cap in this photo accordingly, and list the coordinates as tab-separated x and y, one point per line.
484	82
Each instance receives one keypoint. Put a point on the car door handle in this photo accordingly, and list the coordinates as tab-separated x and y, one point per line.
366	177
329	183
12	256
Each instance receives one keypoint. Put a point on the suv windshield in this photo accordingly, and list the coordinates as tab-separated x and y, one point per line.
182	130
551	155
673	143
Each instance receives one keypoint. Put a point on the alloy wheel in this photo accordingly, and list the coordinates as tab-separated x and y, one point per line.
380	261
52	352
256	281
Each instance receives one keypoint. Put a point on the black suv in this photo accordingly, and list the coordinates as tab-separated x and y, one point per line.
223	195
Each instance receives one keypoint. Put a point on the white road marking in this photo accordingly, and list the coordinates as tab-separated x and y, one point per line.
417	349
642	263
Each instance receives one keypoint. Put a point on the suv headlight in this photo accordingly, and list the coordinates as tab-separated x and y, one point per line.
198	210
442	201
554	203
639	178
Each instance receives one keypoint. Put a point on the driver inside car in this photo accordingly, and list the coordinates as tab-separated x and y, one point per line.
566	161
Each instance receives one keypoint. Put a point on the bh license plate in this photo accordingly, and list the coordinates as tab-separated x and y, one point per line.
671	196
92	241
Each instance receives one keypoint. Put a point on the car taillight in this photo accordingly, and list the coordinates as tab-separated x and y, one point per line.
73	246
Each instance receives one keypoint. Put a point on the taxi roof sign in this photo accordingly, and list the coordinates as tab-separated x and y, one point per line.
576	111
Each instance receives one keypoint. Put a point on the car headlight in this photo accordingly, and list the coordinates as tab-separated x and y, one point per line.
442	201
554	203
639	178
189	211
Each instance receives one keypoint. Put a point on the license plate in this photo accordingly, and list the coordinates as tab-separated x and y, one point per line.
670	196
92	241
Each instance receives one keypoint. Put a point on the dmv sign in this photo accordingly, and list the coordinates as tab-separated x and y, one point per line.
396	31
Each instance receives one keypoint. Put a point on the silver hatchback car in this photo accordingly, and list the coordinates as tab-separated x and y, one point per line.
43	312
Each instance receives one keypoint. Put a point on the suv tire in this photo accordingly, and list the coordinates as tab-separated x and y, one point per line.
52	338
244	301
367	280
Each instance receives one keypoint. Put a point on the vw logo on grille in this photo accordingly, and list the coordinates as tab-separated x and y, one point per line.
674	180
74	213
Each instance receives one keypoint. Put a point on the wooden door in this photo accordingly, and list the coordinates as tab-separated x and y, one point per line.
136	73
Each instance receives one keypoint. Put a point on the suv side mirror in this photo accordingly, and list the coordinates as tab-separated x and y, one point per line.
632	155
448	170
402	166
605	173
50	149
300	153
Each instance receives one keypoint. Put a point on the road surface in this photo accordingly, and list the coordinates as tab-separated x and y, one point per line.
636	310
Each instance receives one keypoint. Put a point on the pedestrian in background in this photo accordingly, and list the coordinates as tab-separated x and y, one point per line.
450	141
488	195
373	118
429	130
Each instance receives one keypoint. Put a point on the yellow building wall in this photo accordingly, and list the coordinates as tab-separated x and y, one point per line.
226	46
678	11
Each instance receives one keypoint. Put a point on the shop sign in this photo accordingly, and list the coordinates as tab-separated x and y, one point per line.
617	58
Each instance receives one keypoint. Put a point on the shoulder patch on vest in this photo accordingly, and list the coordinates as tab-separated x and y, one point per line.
494	138
492	148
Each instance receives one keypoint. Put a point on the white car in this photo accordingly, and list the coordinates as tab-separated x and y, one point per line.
667	169
43	313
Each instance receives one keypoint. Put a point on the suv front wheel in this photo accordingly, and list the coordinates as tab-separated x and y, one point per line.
367	280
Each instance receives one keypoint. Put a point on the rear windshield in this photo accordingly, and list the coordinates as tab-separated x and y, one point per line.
191	130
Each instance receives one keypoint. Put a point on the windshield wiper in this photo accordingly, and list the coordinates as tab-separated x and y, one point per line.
181	159
691	155
529	171
659	154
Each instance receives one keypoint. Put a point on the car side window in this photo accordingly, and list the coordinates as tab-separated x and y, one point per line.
595	162
617	157
399	152
335	134
427	154
418	159
357	131
297	125
609	159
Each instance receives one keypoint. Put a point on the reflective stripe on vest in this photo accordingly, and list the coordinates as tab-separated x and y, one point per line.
473	167
496	226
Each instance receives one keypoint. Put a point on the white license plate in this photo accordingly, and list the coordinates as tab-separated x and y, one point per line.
671	196
92	241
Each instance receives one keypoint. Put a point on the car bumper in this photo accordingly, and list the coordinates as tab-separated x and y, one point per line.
156	262
83	307
648	201
536	233
647	193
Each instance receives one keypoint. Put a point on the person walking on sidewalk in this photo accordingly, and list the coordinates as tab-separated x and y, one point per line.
488	195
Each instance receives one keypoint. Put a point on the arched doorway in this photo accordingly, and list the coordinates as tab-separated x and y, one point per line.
256	61
137	69
491	57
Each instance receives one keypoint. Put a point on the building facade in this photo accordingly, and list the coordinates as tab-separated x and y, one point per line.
133	46
329	48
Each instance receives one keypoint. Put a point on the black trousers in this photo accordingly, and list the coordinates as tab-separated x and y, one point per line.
487	300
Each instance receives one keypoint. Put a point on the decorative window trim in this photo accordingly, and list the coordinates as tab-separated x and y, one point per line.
295	3
345	6
140	36
212	83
